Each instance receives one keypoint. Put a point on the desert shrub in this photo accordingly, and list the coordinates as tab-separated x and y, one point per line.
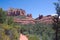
33	37
9	32
44	31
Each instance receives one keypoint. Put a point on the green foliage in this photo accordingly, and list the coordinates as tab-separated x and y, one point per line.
58	7
33	37
9	32
10	21
44	31
2	16
57	24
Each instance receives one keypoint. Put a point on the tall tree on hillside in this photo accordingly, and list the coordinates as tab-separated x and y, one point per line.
57	18
2	16
58	7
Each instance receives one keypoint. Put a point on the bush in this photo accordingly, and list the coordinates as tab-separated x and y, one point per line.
33	37
9	32
44	31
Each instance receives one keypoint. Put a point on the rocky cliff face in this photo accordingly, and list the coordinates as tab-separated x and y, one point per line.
20	16
27	19
15	12
46	19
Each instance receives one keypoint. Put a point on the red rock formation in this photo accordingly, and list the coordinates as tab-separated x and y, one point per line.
22	12
29	15
16	12
24	21
42	19
47	20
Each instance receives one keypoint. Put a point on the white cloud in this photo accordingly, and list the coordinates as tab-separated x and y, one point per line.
59	17
54	14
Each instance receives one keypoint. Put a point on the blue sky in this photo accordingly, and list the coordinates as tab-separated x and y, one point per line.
35	7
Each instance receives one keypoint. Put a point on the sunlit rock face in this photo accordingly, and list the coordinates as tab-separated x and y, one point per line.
46	19
24	21
21	17
23	37
15	12
29	15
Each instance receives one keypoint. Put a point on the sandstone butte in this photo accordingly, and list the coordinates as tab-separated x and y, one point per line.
27	18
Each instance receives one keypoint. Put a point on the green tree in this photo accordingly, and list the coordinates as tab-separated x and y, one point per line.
2	16
57	23
57	7
10	21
